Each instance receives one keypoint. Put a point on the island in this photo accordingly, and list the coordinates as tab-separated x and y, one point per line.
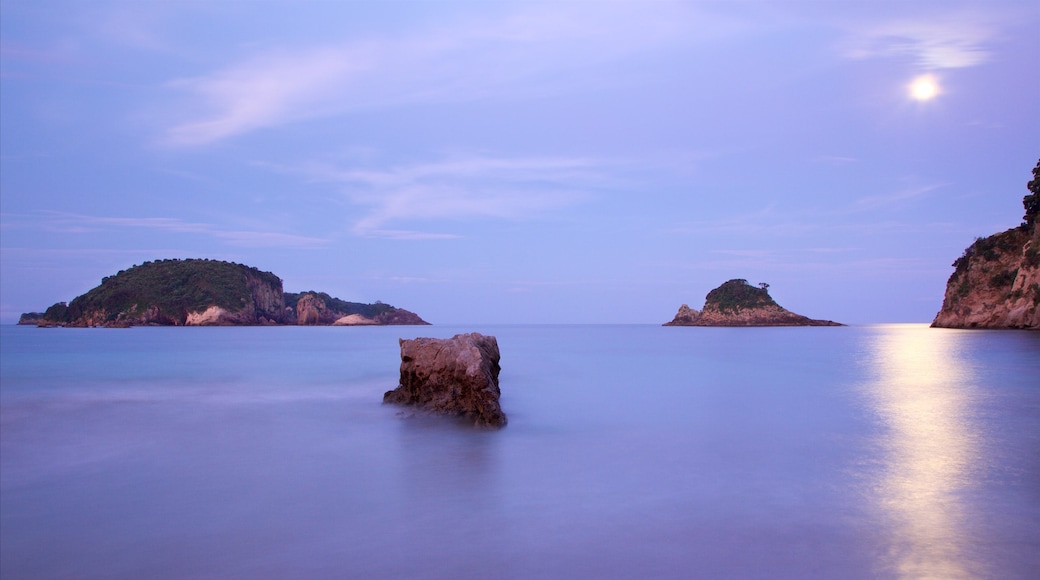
200	292
737	303
996	281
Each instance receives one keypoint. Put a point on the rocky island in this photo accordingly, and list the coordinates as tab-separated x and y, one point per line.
208	293
996	282
737	303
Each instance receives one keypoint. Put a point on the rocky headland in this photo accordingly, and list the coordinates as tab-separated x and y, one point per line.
996	282
737	303
451	376
208	293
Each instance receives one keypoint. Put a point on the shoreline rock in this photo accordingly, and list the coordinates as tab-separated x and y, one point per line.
208	293
456	376
996	284
737	303
996	281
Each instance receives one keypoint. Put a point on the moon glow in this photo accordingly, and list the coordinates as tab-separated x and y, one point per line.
924	88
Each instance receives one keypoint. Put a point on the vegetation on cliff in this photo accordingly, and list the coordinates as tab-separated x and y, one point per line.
996	281
1031	201
202	292
736	295
341	307
737	303
169	289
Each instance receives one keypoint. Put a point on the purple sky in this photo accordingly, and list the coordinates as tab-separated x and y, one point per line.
572	162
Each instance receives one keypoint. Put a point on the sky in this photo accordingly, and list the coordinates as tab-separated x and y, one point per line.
518	162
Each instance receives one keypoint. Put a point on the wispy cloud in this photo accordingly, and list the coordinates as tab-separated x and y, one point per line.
895	198
467	60
71	223
939	42
456	189
263	92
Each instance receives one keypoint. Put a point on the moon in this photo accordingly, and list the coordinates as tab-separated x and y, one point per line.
924	88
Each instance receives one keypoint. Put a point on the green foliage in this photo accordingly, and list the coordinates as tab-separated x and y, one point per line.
991	248
736	295
963	288
175	287
58	314
1031	202
341	306
1002	279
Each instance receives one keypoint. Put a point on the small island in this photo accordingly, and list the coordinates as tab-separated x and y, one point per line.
199	292
996	281
737	303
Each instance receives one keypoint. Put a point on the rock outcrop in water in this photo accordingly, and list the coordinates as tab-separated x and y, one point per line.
737	303
996	282
318	308
456	376
31	318
207	293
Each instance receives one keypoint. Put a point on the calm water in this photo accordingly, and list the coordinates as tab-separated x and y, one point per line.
632	451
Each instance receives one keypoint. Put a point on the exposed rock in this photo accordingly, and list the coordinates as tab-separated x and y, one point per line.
737	303
212	316
311	310
354	320
456	376
206	293
996	283
319	308
31	318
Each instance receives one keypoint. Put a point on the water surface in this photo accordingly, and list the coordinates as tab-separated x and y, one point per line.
893	451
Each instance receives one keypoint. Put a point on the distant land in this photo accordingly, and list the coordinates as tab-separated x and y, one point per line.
198	292
996	282
737	303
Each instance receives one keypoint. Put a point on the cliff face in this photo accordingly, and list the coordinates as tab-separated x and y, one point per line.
175	293
737	303
996	283
206	293
318	308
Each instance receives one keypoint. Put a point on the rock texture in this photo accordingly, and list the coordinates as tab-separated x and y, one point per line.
318	308
737	303
206	293
31	318
996	283
456	376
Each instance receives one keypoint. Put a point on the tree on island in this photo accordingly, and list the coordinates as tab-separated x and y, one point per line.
1032	201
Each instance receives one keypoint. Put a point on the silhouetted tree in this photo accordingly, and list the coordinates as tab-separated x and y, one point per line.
1032	201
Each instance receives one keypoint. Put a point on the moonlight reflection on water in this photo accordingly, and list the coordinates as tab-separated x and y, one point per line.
924	395
631	451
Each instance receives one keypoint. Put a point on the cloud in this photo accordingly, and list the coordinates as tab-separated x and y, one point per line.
261	93
533	51
71	223
896	198
461	188
956	41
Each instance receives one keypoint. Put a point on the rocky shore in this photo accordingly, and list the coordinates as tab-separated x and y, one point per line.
737	303
209	293
996	282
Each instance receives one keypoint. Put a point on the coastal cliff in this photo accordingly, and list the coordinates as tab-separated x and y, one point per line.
202	293
318	308
996	282
737	303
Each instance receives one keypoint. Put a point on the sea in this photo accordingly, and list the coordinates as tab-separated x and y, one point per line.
632	451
